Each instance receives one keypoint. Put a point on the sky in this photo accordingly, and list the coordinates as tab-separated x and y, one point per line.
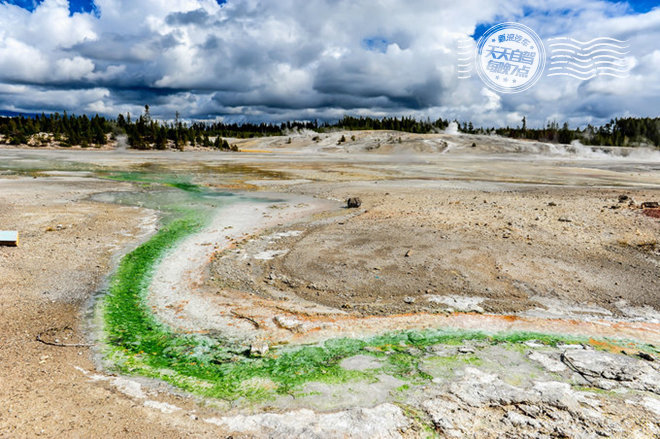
264	60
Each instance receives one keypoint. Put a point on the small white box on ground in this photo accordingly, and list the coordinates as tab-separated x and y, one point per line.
9	238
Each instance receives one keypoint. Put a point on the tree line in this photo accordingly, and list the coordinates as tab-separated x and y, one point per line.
145	133
65	129
406	124
617	132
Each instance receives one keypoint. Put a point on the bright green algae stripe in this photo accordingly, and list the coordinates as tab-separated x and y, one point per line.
137	343
166	180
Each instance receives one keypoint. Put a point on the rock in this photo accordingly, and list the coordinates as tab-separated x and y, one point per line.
607	370
623	198
552	204
459	303
530	410
289	282
480	404
652	405
290	323
518	420
409	300
650	205
645	356
385	421
478	388
563	219
443	412
259	349
408	253
558	394
548	363
653	213
466	350
353	202
564	346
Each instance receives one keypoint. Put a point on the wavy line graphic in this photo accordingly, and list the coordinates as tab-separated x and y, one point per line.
611	65
566	58
586	42
591	65
588	48
583	60
588	71
585	78
465	58
590	54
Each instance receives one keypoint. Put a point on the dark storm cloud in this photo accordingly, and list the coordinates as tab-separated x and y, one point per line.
196	17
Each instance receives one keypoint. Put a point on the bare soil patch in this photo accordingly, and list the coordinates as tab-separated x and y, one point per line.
511	248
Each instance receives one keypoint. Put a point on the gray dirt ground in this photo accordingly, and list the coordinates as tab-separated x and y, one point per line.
509	247
467	230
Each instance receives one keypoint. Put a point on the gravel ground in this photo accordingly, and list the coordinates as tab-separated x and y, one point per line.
67	247
513	248
474	242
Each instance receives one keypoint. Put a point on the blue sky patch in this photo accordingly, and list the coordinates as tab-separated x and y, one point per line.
74	5
376	44
643	5
635	6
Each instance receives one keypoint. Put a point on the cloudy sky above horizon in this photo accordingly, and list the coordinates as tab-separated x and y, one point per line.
251	60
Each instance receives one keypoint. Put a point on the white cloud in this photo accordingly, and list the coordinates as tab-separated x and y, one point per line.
21	62
314	59
73	69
